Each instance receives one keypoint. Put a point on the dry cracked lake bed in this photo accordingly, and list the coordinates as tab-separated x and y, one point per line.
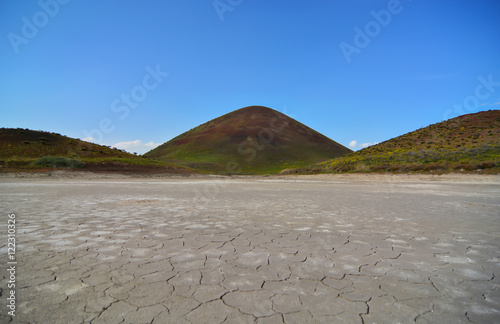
321	249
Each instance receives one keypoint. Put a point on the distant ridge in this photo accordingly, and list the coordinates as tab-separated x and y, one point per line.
19	148
465	143
249	140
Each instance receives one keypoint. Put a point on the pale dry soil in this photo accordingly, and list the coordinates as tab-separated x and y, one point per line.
326	249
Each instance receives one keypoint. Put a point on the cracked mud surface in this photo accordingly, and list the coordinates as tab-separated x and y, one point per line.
242	250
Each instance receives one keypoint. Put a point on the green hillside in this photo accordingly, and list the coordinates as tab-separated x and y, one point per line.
465	143
23	149
251	140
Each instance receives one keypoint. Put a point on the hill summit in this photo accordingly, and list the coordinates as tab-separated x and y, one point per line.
465	143
31	150
249	140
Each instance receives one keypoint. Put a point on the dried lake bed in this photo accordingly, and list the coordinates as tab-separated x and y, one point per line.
304	249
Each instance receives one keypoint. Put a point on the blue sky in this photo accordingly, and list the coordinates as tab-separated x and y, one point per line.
137	73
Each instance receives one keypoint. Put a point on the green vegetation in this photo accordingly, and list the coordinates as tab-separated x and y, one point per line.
58	162
251	140
24	149
461	159
466	143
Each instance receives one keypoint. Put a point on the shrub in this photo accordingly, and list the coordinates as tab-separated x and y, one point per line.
486	165
57	162
381	167
361	167
432	167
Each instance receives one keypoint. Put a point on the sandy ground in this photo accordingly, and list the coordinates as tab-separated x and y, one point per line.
295	249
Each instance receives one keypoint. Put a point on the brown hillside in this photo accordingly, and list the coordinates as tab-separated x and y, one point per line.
32	144
463	131
19	148
253	139
466	143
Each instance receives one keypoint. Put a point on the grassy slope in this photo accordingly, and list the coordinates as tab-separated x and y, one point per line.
19	148
467	142
277	140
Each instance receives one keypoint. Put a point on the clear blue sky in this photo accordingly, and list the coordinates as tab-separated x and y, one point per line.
355	70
